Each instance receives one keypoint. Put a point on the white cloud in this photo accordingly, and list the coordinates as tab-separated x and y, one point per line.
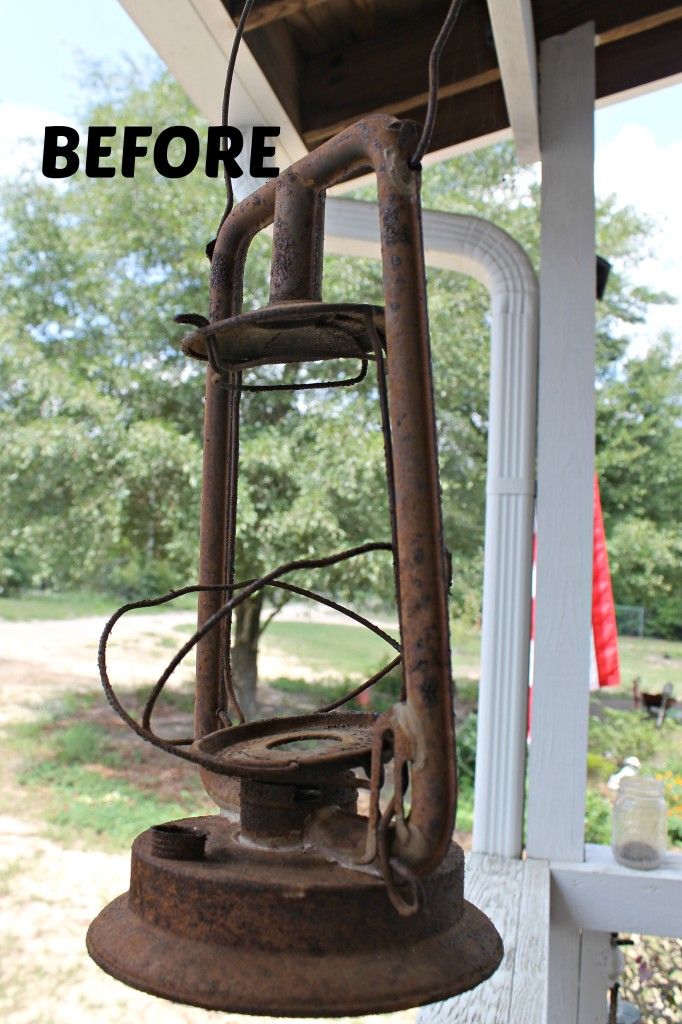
22	130
646	175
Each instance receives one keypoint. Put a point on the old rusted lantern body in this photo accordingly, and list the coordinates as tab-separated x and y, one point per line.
289	902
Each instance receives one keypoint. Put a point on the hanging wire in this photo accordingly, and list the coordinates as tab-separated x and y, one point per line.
241	25
431	110
434	59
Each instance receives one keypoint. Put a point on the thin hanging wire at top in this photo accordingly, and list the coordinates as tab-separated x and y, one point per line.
241	25
431	110
434	60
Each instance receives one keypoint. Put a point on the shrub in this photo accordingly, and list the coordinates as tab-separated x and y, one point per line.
15	572
597	818
466	750
621	734
599	768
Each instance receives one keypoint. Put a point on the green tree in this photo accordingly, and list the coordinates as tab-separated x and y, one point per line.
99	477
639	460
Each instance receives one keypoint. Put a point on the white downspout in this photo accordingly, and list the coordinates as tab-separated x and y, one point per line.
473	246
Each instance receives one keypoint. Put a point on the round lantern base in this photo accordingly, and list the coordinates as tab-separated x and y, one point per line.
284	932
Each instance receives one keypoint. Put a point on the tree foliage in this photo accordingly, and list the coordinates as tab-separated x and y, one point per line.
639	460
102	414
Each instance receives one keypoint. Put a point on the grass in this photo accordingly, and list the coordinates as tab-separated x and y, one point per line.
75	604
77	778
311	695
465	809
328	647
657	662
81	803
76	767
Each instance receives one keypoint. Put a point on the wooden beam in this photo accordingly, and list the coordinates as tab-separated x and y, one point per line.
512	24
347	83
635	60
480	115
553	18
264	12
612	35
601	895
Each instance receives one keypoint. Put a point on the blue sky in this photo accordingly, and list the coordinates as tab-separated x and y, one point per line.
639	142
38	41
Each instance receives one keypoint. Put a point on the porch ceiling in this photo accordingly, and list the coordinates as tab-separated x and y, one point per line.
314	66
332	61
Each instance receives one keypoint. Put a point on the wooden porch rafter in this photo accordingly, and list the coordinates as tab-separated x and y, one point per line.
327	80
512	24
305	68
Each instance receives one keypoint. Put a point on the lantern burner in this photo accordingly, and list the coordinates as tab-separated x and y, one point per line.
292	747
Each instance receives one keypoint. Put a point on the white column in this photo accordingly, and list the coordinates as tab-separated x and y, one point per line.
596	963
558	753
557	766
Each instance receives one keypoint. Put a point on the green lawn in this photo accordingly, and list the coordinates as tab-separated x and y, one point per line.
328	647
75	604
657	662
90	783
332	648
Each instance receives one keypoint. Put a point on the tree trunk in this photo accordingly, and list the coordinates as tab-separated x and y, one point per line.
245	636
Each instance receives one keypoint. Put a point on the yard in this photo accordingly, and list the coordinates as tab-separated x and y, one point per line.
76	786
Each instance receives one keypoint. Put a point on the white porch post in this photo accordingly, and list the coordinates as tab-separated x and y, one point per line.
557	763
596	961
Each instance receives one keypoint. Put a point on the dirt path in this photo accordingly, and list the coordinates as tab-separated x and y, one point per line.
49	896
43	659
49	893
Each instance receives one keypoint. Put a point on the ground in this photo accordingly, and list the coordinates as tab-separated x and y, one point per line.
75	787
53	877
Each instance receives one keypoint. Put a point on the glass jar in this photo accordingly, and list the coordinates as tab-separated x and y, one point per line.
640	823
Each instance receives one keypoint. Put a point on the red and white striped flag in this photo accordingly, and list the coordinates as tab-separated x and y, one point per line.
604	663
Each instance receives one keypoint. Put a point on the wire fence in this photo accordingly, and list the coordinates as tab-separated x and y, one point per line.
630	619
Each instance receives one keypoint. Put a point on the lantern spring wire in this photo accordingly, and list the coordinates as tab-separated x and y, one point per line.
305	386
222	371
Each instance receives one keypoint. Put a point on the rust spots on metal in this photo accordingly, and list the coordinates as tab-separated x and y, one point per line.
303	905
282	931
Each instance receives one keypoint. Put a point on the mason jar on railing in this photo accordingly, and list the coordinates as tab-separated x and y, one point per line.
640	823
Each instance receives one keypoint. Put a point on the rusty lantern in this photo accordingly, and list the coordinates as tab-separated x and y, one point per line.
289	902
